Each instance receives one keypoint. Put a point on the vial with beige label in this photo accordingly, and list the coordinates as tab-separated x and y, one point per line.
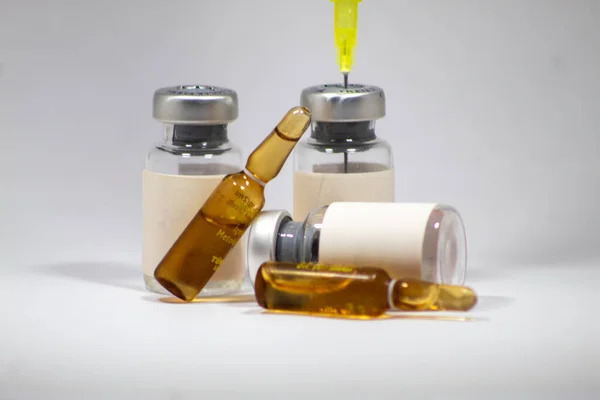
408	240
183	169
343	159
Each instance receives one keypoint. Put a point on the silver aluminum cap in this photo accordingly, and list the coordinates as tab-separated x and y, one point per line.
262	239
335	103
195	104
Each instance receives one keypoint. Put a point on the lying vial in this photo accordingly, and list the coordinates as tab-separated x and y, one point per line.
409	240
351	291
343	159
221	221
181	172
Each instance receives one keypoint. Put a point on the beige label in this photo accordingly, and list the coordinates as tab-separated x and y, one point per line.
169	204
316	189
388	235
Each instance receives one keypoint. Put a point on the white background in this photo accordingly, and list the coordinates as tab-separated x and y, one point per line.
493	107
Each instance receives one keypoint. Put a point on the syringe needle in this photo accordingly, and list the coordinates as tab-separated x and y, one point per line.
345	80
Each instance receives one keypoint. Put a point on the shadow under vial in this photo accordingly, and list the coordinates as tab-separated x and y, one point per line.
123	275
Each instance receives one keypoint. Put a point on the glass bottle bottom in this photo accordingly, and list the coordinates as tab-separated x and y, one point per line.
212	288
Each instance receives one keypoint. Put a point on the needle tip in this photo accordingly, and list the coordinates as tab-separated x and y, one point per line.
345	80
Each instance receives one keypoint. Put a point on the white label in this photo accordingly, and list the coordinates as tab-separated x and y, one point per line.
169	204
316	189
388	235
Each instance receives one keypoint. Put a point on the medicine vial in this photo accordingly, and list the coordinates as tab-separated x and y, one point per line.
183	169
408	240
343	159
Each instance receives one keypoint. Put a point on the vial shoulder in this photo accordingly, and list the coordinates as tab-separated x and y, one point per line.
310	153
383	143
312	145
162	149
383	151
193	161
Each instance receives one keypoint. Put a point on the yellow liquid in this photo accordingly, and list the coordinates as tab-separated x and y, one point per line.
217	227
224	217
318	289
351	291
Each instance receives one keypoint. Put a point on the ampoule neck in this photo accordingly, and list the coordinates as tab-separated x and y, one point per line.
412	294
265	162
419	295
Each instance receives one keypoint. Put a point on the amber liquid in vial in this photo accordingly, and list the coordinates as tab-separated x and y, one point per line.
351	291
224	217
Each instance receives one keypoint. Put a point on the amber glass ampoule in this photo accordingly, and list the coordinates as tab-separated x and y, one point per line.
224	217
351	291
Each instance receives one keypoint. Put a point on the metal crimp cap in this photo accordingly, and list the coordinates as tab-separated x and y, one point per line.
262	239
195	104
335	103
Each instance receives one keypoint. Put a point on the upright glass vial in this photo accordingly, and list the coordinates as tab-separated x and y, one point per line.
408	240
343	159
181	172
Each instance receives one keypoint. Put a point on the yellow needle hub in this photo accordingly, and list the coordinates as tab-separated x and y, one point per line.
345	28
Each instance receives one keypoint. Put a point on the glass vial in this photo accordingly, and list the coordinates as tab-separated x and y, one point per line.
183	169
343	159
408	240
